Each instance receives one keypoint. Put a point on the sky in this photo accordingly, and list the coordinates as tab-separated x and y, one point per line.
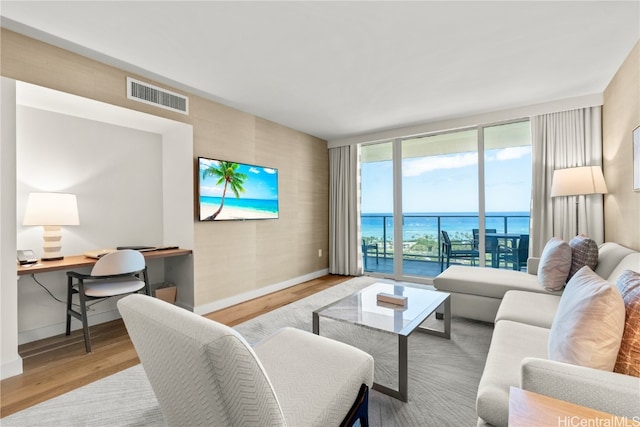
262	182
449	183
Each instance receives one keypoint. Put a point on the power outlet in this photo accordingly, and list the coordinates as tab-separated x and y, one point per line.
319	253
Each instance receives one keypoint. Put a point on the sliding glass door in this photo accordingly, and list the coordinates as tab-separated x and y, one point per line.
461	182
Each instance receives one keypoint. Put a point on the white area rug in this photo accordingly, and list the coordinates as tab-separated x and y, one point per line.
443	374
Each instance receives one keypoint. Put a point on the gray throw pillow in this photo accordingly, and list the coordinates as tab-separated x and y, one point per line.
584	251
555	263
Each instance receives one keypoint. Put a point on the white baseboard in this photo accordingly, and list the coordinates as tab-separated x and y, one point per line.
246	296
11	369
59	328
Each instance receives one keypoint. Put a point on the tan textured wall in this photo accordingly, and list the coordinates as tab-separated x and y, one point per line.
231	257
620	116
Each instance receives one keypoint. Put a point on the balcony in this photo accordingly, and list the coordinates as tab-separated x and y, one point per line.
421	243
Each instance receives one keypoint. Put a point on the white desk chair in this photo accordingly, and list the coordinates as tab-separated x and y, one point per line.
116	273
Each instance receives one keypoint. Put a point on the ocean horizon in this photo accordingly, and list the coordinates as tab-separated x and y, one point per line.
458	224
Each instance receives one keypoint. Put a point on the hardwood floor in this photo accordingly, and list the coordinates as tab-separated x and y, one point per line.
56	365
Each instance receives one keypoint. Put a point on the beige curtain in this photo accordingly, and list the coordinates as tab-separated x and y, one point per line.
344	212
563	140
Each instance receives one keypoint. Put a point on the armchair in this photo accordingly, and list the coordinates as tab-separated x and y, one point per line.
205	373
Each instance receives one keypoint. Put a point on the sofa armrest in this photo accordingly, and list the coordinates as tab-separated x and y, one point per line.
605	391
532	265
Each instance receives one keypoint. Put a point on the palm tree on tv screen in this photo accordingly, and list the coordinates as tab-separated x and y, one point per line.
226	172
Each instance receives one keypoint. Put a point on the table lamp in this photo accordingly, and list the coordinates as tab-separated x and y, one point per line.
51	210
577	181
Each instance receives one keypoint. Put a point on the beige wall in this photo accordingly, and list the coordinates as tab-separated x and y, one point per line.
230	258
621	115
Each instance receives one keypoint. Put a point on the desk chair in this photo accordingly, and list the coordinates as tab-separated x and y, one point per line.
116	273
204	373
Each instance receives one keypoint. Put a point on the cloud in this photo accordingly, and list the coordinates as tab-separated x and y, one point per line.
270	171
254	170
428	164
511	153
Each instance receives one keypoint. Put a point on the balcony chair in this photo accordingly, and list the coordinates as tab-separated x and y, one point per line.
516	256
116	273
366	247
449	252
491	244
205	373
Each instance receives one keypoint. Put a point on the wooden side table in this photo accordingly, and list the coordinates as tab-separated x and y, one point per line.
529	409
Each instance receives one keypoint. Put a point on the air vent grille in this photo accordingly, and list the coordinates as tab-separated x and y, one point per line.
149	94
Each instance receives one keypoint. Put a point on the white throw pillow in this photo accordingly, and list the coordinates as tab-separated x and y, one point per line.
588	326
555	263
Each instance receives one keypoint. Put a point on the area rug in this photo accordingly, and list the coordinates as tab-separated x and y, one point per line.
443	374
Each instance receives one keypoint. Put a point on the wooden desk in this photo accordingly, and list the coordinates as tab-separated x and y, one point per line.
77	261
529	409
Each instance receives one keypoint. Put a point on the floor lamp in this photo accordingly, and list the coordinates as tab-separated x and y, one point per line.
578	181
51	210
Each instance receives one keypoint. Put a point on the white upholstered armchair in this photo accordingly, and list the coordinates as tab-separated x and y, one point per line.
205	373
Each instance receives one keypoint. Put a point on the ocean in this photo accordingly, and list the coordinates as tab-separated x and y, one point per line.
259	205
458	224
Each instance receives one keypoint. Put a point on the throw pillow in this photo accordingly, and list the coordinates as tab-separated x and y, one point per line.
589	322
555	263
584	251
629	356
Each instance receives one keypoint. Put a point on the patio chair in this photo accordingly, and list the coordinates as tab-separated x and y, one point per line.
491	244
516	256
449	252
366	247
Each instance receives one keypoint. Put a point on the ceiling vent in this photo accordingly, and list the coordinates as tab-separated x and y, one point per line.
150	94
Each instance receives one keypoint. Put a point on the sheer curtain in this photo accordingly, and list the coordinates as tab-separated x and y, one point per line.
563	140
344	224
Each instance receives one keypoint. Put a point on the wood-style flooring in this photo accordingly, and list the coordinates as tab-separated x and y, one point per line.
59	364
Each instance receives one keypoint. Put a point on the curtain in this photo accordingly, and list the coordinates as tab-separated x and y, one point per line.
344	225
563	140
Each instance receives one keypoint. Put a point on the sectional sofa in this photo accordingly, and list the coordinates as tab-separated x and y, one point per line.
523	313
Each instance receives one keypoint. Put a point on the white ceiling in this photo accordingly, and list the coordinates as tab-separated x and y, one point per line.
340	69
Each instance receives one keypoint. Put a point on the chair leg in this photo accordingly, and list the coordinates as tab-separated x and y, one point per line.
69	302
359	410
85	321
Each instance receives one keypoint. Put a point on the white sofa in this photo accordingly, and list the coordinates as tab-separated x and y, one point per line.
476	293
518	352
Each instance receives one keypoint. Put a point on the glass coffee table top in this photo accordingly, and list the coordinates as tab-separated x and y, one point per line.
362	308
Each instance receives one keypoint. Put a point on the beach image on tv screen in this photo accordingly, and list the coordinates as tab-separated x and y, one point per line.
236	191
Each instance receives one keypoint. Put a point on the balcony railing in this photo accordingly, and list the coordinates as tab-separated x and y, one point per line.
421	233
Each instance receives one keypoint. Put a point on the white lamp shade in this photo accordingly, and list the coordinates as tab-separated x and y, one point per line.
51	209
579	180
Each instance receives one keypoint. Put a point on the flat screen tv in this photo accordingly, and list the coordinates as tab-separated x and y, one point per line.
236	191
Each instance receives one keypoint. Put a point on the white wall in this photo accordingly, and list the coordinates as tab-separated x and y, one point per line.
11	363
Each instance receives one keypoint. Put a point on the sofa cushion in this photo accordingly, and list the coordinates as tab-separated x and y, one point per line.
487	282
584	251
628	361
532	308
588	326
511	342
555	263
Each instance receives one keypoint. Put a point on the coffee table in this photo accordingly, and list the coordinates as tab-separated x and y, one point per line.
362	308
